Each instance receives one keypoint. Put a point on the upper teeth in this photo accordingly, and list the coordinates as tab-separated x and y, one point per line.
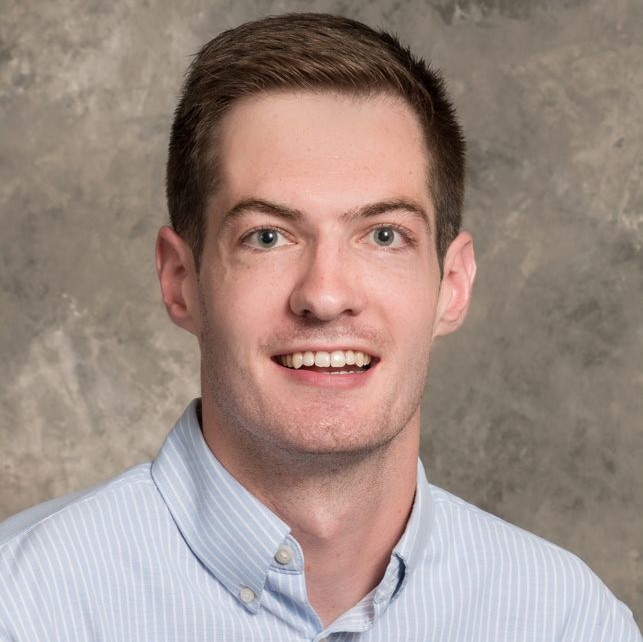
322	359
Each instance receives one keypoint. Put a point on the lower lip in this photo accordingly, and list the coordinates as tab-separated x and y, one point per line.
327	380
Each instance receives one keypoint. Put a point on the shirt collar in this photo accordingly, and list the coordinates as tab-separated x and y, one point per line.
409	552
235	536
412	545
231	532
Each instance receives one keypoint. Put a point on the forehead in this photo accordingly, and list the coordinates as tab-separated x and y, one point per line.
322	150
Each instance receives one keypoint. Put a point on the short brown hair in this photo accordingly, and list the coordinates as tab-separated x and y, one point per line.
315	52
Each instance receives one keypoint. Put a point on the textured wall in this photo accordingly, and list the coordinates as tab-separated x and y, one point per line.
534	408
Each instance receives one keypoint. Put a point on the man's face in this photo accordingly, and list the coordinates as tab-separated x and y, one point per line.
320	243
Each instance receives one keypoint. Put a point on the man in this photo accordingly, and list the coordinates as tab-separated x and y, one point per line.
315	183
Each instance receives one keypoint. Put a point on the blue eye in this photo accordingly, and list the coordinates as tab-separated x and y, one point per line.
387	236
384	236
265	238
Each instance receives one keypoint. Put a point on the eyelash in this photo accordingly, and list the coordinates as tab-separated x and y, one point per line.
404	232
261	228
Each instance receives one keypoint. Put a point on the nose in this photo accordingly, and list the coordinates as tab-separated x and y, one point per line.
328	287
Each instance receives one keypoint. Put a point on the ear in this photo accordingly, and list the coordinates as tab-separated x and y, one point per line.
178	278
457	284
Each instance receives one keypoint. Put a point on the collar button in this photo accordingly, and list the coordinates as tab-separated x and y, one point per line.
284	555
247	595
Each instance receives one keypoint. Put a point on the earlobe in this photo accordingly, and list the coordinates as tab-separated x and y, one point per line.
456	286
178	279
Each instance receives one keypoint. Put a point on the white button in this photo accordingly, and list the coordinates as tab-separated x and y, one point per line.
247	595
284	554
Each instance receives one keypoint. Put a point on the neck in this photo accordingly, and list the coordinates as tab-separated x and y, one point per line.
347	510
347	526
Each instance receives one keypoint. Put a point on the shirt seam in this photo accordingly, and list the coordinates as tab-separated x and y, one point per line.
484	516
102	490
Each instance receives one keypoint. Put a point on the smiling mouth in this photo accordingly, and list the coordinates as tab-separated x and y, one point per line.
336	362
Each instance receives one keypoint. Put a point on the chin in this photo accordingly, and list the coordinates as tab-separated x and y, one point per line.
333	437
264	421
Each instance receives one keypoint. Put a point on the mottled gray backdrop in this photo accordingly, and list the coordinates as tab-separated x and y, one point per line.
534	408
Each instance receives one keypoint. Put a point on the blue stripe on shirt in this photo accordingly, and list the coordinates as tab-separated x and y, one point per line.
179	550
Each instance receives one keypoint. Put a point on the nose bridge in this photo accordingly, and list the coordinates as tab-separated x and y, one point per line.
328	285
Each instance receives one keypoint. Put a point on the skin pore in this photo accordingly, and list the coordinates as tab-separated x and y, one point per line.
320	240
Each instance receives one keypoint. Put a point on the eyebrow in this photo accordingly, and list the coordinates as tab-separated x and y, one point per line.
265	207
250	205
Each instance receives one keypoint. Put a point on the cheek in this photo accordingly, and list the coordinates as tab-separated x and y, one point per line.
409	292
244	305
410	312
413	321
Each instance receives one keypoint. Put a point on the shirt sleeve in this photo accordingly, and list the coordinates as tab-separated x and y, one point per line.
618	625
604	620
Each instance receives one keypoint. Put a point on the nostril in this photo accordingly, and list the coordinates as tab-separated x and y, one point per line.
327	298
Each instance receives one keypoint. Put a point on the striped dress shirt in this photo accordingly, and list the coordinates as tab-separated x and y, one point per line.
178	550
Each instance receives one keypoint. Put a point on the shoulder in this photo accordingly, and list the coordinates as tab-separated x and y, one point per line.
81	505
455	516
521	576
70	506
55	555
478	535
76	521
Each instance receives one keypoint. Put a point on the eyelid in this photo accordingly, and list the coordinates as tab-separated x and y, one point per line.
408	236
260	228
